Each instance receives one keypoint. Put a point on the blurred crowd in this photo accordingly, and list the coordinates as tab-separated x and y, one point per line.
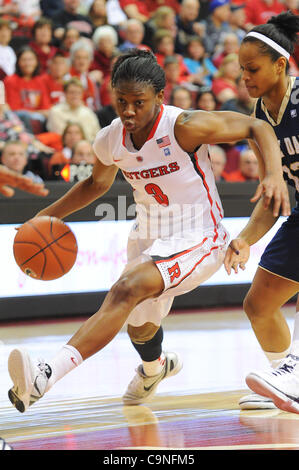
56	58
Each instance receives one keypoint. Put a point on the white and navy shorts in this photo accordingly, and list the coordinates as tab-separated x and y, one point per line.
182	271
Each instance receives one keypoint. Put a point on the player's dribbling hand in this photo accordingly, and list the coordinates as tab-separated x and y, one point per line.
237	255
274	187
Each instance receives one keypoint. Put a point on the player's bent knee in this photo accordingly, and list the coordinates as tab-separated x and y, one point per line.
143	333
248	306
126	289
254	307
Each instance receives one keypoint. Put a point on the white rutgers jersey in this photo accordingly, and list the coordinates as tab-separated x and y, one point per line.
174	191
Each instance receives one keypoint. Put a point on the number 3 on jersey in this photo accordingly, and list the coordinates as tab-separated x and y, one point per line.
155	191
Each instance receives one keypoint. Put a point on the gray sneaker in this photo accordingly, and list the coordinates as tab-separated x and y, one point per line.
29	381
142	388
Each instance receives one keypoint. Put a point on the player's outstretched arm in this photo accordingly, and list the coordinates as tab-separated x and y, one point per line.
9	180
84	192
200	127
238	251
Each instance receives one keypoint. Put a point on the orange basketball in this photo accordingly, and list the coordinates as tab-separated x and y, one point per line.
45	248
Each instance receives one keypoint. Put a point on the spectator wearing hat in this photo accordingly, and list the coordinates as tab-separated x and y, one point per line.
237	20
51	8
216	25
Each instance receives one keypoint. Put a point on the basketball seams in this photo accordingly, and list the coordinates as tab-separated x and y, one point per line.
51	243
56	239
41	251
58	259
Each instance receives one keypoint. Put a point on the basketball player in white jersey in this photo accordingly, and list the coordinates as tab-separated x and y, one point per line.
178	240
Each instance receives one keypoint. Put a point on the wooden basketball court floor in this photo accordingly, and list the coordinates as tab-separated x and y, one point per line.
197	409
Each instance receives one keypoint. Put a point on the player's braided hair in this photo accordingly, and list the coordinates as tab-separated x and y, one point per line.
138	65
282	29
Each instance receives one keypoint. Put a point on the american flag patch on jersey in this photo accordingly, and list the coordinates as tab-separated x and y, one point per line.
163	142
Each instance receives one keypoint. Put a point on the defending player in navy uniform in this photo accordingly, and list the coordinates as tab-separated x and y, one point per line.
264	58
178	240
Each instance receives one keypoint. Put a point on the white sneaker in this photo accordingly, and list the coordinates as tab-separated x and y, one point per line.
253	401
4	445
142	388
280	385
29	381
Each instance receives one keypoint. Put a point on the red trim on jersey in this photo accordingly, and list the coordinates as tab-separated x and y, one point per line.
154	128
191	271
124	137
209	196
182	252
219	209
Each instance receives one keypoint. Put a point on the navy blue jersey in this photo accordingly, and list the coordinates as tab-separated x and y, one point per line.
287	132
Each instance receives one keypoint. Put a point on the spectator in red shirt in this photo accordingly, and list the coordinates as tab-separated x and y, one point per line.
293	6
136	9
224	85
248	168
260	11
7	7
54	79
25	90
153	5
41	43
172	75
81	56
164	47
105	40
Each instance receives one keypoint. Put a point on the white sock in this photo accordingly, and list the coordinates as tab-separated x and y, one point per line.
276	358
154	367
67	359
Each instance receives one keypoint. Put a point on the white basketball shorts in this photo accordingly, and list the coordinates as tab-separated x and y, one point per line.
181	270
